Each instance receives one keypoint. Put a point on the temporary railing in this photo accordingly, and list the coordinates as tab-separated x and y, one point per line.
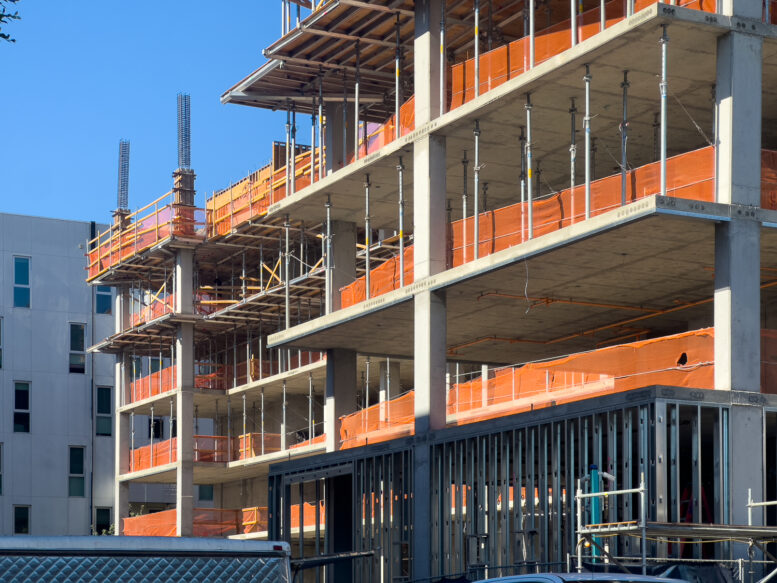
255	444
252	196
681	360
690	175
141	230
219	522
511	60
155	454
317	440
207	376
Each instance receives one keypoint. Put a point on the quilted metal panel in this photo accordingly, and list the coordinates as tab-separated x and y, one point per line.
135	569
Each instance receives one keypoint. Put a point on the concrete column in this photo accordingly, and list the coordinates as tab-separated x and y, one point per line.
426	71
340	393
738	104
122	442
343	259
743	8
430	226
184	410
430	359
334	135
184	281
121	304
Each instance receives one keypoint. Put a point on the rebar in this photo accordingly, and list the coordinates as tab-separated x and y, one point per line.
184	131
122	196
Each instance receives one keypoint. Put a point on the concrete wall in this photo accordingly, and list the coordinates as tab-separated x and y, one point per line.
36	345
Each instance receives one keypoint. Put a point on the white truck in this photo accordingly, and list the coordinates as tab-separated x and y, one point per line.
88	559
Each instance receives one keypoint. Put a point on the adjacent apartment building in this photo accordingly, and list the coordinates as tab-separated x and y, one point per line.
528	252
56	431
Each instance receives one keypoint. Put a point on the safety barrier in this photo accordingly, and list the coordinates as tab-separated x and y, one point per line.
207	376
681	360
511	60
220	522
141	230
380	135
690	175
157	454
253	444
252	196
318	439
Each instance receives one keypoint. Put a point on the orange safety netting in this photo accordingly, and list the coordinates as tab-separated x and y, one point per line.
509	61
380	135
158	307
690	175
208	522
250	445
211	448
253	195
141	230
308	515
207	376
255	519
157	454
681	360
383	278
316	440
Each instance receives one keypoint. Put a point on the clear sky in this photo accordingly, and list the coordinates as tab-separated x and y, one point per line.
84	74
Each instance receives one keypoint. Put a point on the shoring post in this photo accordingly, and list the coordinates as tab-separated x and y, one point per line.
172	420
283	419
310	406
401	178
475	193
464	163
245	439
572	157
313	141
397	80
531	33
132	441
328	276
345	120
477	51
663	87
288	145
522	180
287	284
261	420
293	147
151	443
602	16
624	135
443	63
529	170
587	128
573	21
320	128
357	81
367	235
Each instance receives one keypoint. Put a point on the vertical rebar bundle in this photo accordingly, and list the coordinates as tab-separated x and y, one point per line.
122	196
184	131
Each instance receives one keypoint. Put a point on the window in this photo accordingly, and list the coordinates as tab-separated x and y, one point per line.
21	520
206	493
102	521
77	348
21	282
104	421
21	407
157	428
103	299
75	486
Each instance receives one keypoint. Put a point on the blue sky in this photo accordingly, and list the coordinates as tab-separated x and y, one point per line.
84	74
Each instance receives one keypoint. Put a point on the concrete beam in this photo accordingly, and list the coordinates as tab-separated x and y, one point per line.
340	394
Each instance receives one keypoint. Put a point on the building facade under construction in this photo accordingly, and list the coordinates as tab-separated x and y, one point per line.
522	260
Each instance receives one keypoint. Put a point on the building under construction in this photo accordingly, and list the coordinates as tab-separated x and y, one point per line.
527	254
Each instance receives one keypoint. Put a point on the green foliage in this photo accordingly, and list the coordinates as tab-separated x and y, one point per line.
6	16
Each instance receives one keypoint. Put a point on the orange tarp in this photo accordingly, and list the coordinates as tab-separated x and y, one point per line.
164	380
250	445
383	278
681	360
161	453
